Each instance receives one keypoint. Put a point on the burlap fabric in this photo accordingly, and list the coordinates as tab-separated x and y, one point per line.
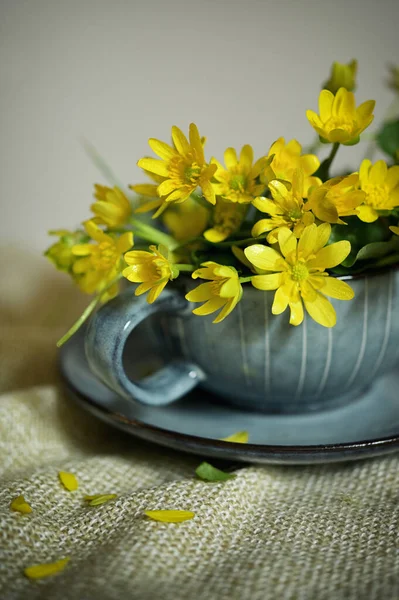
273	533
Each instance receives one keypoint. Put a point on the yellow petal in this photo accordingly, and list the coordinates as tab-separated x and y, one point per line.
326	99
241	437
392	179
321	311
287	241
180	140
46	569
202	293
230	158
227	309
162	149
215	235
210	306
323	235
68	480
280	302
367	213
265	205
331	256
364	172
309	163
125	242
262	226
159	167
208	191
195	142
296	312
169	516
156	291
246	156
264	257
20	505
98	499
378	172
267	282
145	189
335	288
308	240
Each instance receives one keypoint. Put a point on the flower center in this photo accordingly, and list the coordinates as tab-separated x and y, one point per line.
377	195
295	214
238	182
104	256
340	123
299	271
184	170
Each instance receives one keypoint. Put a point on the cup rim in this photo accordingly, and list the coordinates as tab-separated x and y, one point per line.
371	273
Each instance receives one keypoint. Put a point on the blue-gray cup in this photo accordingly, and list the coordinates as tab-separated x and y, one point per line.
252	359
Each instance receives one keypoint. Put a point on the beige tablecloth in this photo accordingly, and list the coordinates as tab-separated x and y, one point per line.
273	533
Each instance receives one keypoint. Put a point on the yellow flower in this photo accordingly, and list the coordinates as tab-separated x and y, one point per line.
149	190
227	218
112	207
19	504
337	197
98	264
152	270
60	253
239	182
187	220
340	120
287	159
223	291
182	167
393	82
299	273
287	209
381	186
342	76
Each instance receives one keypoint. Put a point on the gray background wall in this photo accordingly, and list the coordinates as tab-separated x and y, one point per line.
117	72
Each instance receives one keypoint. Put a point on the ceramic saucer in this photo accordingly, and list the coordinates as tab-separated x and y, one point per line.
195	424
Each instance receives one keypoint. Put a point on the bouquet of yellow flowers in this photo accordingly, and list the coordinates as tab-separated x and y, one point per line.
279	222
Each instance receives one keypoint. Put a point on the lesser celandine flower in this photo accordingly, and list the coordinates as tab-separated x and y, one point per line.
337	197
239	182
182	166
287	158
187	220
339	120
222	291
98	264
299	273
151	269
342	75
287	209
111	208
227	218
60	253
381	187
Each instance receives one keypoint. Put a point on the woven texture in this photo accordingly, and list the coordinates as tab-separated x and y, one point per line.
273	533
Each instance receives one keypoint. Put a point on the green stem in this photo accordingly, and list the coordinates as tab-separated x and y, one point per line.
324	170
240	242
189	268
152	234
245	279
86	313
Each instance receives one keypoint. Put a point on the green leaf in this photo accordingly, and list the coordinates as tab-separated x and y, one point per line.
388	138
207	472
378	249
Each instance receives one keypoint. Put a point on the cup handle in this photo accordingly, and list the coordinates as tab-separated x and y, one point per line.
106	335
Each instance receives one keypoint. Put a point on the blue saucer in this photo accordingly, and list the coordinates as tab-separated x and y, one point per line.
195	424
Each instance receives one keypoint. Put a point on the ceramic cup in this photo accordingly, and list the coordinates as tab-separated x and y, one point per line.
252	359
